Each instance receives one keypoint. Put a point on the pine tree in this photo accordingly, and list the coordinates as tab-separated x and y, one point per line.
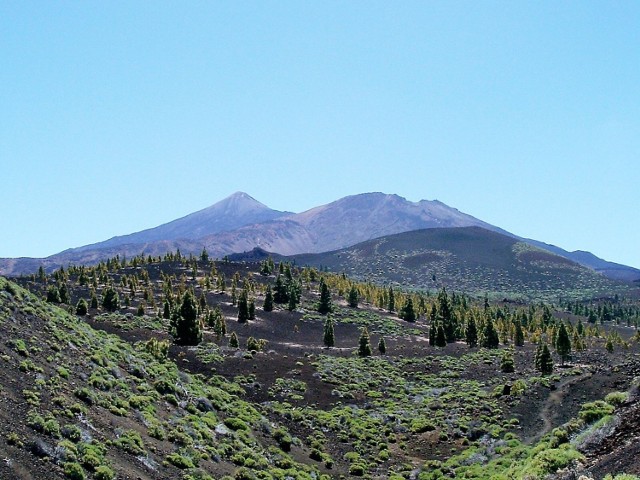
233	340
64	293
472	333
41	275
353	297
506	363
432	333
185	322
538	357
268	300
391	304
441	339
519	335
546	362
53	294
382	346
94	300
252	309
140	312
490	335
81	307
243	307
329	338
407	312
364	345
110	299
294	293
325	305
280	291
203	301
166	310
563	344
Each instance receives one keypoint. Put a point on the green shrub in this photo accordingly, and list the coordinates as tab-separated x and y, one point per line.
180	461
73	471
235	424
52	427
130	441
592	411
616	398
283	438
104	473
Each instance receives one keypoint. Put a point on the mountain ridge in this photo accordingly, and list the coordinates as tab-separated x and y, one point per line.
240	223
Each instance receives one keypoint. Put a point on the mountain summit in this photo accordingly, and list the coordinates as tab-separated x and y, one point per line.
235	211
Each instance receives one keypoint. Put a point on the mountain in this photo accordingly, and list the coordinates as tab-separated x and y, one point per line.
345	222
240	223
235	211
468	259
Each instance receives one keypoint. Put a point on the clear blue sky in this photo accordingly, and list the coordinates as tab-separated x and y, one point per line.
119	116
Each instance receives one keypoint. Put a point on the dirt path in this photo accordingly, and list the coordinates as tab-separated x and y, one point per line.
551	407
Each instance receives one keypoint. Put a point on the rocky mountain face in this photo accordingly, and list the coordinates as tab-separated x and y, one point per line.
240	223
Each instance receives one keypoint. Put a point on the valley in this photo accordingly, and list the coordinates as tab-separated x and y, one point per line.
259	389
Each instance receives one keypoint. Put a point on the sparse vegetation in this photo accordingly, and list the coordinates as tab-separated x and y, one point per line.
467	412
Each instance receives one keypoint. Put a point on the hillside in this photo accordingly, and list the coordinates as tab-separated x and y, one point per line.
470	259
110	394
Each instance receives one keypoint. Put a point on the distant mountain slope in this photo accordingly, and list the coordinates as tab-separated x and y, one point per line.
233	212
469	259
240	223
611	270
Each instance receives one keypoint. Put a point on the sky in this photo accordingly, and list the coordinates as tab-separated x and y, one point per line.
120	116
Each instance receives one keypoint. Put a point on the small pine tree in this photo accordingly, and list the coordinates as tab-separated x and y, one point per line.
53	294
41	275
609	345
280	291
329	337
81	307
391	304
166	311
203	301
185	322
382	346
64	294
518	339
252	309
546	361
407	312
432	333
140	312
353	297
506	363
441	338
243	307
472	333
110	299
294	296
233	340
490	335
268	300
563	344
538	357
94	300
364	344
325	305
